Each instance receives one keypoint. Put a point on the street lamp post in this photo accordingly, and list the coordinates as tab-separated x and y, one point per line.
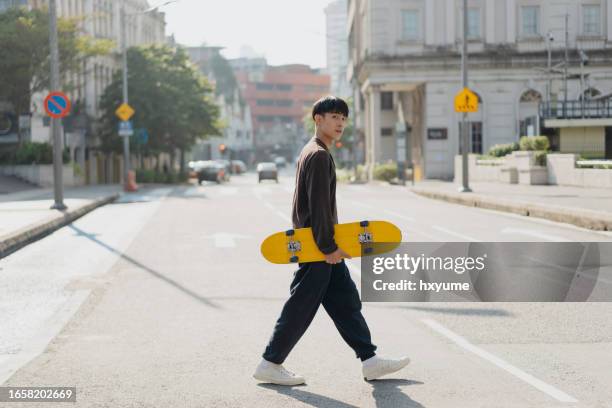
465	188
58	177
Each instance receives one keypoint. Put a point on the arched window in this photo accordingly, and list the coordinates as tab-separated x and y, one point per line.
531	95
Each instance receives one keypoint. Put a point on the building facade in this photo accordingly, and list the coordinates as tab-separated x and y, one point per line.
337	47
236	143
279	97
404	66
99	19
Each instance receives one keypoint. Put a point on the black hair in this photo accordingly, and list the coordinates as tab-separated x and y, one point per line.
330	104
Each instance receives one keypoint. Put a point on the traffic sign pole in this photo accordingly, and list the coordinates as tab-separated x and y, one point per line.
58	177
126	139
465	188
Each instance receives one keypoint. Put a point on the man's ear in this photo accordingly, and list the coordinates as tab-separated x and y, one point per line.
318	118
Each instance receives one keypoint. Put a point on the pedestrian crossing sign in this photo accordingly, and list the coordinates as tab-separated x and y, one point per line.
124	112
466	101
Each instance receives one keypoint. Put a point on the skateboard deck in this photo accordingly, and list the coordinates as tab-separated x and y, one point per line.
298	245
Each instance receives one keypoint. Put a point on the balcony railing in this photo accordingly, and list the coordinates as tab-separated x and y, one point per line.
587	109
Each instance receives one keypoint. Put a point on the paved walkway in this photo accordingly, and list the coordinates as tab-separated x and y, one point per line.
26	216
585	207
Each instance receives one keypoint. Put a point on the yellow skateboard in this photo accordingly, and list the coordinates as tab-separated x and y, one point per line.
298	245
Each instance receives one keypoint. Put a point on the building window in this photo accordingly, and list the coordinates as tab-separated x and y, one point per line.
265	118
386	131
284	102
473	23
530	16
475	137
261	86
284	87
386	100
265	102
591	19
411	27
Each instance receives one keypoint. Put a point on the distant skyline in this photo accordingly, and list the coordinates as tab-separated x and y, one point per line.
283	31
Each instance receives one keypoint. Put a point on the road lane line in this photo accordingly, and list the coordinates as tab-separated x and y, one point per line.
398	215
453	233
517	372
533	233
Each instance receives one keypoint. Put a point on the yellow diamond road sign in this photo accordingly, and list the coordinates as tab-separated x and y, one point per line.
466	101
124	112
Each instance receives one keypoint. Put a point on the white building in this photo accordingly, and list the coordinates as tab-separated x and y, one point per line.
337	47
235	114
100	20
404	65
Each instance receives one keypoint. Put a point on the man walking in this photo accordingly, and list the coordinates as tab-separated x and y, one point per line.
328	283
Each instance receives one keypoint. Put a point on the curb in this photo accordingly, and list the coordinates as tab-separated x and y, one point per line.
590	219
27	235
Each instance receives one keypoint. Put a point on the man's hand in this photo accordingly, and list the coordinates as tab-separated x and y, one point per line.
336	256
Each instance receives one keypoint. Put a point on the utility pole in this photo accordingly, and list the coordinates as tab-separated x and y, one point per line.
126	139
465	188
58	177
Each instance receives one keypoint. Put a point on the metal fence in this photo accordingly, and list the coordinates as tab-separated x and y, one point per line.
585	109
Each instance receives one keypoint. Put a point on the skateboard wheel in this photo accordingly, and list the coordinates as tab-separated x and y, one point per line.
290	233
367	250
364	223
293	259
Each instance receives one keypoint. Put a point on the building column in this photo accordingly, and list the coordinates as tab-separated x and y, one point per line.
373	136
430	24
490	21
608	22
451	15
512	21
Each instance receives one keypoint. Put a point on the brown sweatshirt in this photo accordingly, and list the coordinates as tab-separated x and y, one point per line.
314	199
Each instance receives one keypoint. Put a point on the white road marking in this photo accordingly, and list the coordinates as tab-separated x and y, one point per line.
226	240
517	372
283	216
453	233
533	233
398	215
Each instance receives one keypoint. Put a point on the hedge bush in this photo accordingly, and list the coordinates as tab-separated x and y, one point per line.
32	153
154	176
385	172
534	143
501	150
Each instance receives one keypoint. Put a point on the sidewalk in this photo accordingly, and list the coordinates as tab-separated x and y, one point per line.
584	207
25	216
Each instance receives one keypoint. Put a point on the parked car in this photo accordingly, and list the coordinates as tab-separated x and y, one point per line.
227	166
267	170
238	167
280	162
210	171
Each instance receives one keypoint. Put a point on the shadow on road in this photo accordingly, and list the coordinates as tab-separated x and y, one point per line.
310	398
145	268
388	394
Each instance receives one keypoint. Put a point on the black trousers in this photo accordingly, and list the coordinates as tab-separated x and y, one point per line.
316	283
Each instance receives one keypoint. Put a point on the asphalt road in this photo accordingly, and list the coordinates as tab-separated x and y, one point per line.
163	300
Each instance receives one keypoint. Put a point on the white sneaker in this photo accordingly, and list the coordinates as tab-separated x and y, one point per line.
375	367
276	374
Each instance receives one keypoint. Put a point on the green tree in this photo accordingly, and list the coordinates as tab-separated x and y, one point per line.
172	100
25	61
